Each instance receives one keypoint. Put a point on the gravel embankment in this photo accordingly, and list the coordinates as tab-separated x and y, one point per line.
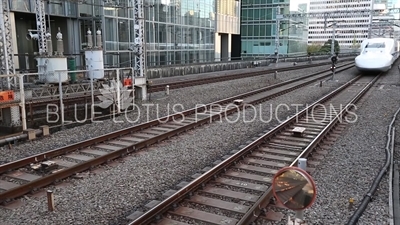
107	198
188	98
355	159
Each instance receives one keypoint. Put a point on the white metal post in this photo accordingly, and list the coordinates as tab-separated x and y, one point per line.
92	95
61	99
22	93
302	164
133	89
118	93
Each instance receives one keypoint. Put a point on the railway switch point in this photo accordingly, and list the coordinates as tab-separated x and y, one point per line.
298	131
31	134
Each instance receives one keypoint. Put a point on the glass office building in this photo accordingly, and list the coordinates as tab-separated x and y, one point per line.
258	28
176	31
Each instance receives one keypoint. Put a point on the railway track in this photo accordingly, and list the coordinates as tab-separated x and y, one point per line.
42	115
186	82
21	177
238	189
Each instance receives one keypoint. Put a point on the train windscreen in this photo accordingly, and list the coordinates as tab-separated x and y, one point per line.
376	45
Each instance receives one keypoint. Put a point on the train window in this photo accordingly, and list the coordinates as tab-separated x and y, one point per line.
375	45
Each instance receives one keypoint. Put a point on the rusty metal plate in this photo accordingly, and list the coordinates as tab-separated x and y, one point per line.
23	176
231	194
293	143
94	152
241	184
108	147
204	216
79	157
5	185
263	162
275	157
230	206
249	176
141	135
256	169
63	163
167	221
133	139
122	143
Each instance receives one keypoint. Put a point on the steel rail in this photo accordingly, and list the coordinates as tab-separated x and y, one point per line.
206	80
263	201
44	181
104	116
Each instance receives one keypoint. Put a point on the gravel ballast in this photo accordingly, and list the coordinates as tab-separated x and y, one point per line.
355	159
113	194
188	98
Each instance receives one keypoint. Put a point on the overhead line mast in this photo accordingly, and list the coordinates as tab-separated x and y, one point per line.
6	48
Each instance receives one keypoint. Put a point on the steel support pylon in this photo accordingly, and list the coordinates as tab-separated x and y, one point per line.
139	42
6	49
41	26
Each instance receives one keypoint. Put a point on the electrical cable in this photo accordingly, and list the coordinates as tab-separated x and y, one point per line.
368	197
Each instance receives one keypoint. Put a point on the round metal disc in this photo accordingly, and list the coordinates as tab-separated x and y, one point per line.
294	188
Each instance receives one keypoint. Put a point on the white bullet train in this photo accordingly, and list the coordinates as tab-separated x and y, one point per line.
377	54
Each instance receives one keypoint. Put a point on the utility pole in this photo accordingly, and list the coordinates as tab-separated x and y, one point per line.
279	16
333	39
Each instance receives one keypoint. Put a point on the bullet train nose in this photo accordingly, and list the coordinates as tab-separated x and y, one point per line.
379	62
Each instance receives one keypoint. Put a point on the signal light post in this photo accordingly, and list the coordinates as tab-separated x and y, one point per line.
333	67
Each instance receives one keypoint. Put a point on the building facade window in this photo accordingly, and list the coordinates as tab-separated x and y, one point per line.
258	28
